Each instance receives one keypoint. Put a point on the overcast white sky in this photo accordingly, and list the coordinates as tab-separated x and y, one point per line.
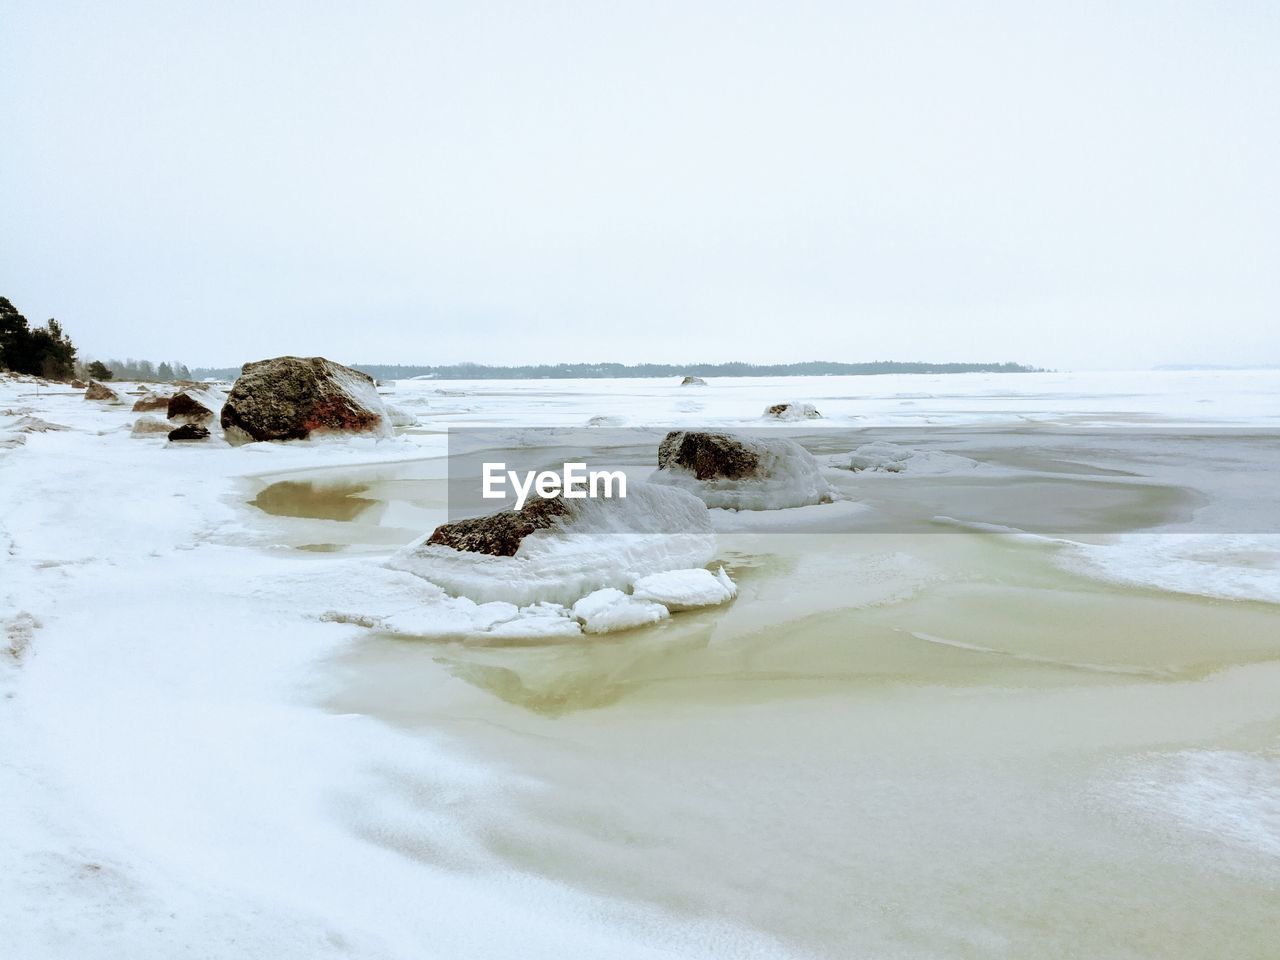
1068	184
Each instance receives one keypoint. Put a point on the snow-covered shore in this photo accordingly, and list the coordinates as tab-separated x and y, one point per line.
194	761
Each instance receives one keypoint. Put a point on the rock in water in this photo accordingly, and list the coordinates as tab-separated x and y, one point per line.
196	405
792	411
189	431
559	551
741	473
289	398
693	382
499	534
708	456
97	391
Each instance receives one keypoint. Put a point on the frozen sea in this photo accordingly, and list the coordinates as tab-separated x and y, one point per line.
1016	693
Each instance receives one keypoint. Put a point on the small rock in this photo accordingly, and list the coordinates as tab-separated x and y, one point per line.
96	391
189	431
150	426
693	382
196	405
152	400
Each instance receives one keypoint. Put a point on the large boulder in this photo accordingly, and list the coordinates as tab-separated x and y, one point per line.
693	382
98	391
195	405
290	398
741	473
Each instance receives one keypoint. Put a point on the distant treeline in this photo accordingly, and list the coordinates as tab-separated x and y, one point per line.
586	371
130	369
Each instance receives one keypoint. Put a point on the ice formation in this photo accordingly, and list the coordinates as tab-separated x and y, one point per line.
598	543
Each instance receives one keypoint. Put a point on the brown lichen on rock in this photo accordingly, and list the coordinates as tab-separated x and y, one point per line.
499	534
708	456
289	398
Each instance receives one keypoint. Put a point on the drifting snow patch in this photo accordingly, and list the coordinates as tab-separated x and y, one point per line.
610	609
686	589
884	457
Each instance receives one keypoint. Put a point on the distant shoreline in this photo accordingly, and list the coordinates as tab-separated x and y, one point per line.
611	371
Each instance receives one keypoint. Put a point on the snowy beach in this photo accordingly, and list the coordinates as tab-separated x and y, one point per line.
1009	693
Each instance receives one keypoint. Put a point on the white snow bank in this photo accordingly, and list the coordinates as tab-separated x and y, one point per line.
881	456
787	476
610	609
602	543
686	589
1223	566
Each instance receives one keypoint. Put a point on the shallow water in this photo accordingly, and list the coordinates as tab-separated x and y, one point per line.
903	739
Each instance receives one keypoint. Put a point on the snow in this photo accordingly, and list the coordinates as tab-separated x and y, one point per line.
882	456
175	782
686	589
607	610
788	476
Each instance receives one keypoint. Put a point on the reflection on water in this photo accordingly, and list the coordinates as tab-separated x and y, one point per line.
303	498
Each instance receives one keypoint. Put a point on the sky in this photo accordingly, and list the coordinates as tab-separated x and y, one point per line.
1075	185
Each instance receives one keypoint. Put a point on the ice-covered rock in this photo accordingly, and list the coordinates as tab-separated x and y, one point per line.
693	382
558	550
792	411
606	421
78	385
604	611
741	473
101	392
155	399
196	405
149	427
686	589
290	398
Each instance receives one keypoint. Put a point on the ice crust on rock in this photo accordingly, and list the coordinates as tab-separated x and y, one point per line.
198	405
686	589
741	473
589	545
